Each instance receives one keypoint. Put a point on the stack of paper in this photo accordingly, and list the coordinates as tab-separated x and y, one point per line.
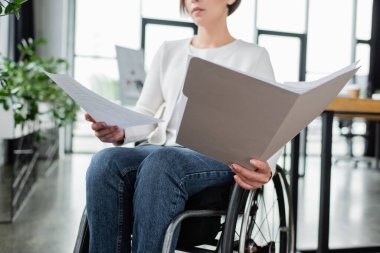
100	109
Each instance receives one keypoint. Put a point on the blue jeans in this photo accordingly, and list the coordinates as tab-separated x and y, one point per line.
138	191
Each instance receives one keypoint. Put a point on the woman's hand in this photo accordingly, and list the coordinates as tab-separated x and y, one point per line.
105	133
249	179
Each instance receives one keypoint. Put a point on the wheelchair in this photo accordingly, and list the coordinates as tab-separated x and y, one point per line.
233	220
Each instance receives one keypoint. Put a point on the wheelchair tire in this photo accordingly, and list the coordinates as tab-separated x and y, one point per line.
269	227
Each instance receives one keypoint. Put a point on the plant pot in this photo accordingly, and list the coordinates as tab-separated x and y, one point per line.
18	174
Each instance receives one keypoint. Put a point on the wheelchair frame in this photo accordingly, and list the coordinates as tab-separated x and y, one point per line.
226	241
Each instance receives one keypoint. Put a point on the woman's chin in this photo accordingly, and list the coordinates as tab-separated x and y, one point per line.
199	21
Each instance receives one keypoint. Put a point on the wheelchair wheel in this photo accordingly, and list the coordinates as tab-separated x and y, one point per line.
267	223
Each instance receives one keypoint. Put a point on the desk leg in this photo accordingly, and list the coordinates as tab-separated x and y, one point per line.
324	209
377	145
294	170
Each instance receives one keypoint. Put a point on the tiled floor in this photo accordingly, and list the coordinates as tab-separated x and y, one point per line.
49	221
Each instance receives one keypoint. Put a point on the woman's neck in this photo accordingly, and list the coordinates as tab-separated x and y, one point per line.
216	36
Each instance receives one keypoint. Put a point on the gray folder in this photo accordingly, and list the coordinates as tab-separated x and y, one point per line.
233	117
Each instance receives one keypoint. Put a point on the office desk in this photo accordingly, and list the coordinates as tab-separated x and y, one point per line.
341	106
350	108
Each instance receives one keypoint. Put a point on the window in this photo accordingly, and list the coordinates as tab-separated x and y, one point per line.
242	22
164	10
363	19
282	29
330	38
362	48
158	31
286	62
97	30
283	16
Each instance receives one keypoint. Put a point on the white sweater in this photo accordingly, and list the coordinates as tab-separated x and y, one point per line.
162	92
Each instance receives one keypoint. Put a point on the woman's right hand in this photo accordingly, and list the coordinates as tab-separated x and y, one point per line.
106	133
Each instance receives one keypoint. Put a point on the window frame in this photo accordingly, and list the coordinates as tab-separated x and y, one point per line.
151	21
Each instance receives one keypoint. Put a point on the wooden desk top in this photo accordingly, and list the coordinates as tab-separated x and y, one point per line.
355	105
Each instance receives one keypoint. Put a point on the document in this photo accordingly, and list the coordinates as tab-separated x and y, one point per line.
98	107
233	117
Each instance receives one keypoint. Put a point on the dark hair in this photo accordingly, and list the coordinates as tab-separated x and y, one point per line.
231	7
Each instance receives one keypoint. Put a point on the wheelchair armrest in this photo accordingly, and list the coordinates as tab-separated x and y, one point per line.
81	244
234	206
187	214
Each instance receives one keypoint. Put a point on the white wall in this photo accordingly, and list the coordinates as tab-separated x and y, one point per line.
52	23
3	51
4	27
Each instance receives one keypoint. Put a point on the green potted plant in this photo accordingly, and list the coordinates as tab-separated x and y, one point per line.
29	94
10	7
31	107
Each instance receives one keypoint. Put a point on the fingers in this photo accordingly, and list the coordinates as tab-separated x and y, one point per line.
246	185
250	179
260	165
261	175
89	118
104	132
113	137
107	133
99	126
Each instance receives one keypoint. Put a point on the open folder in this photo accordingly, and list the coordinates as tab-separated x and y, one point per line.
233	117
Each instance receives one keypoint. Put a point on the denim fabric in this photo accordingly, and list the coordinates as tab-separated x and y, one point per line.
140	190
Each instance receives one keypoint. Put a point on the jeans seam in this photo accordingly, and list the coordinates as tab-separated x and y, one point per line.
125	170
205	172
181	184
121	206
120	217
177	197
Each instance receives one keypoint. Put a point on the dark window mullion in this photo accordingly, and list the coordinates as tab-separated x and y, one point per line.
301	36
149	21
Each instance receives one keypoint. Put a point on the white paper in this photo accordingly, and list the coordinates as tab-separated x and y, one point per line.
303	87
101	109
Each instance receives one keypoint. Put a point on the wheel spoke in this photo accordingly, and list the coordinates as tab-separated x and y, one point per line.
265	228
260	233
266	217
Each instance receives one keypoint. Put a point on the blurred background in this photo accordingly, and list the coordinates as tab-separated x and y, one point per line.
42	183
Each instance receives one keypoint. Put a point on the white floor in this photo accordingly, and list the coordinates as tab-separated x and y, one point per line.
49	220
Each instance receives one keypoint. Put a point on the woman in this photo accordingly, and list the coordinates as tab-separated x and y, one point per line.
138	191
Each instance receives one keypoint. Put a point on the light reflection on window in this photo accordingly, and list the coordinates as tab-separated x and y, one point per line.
285	54
363	54
157	34
329	36
102	26
242	22
364	19
285	16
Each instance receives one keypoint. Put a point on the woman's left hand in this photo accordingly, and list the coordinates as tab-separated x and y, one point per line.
250	179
